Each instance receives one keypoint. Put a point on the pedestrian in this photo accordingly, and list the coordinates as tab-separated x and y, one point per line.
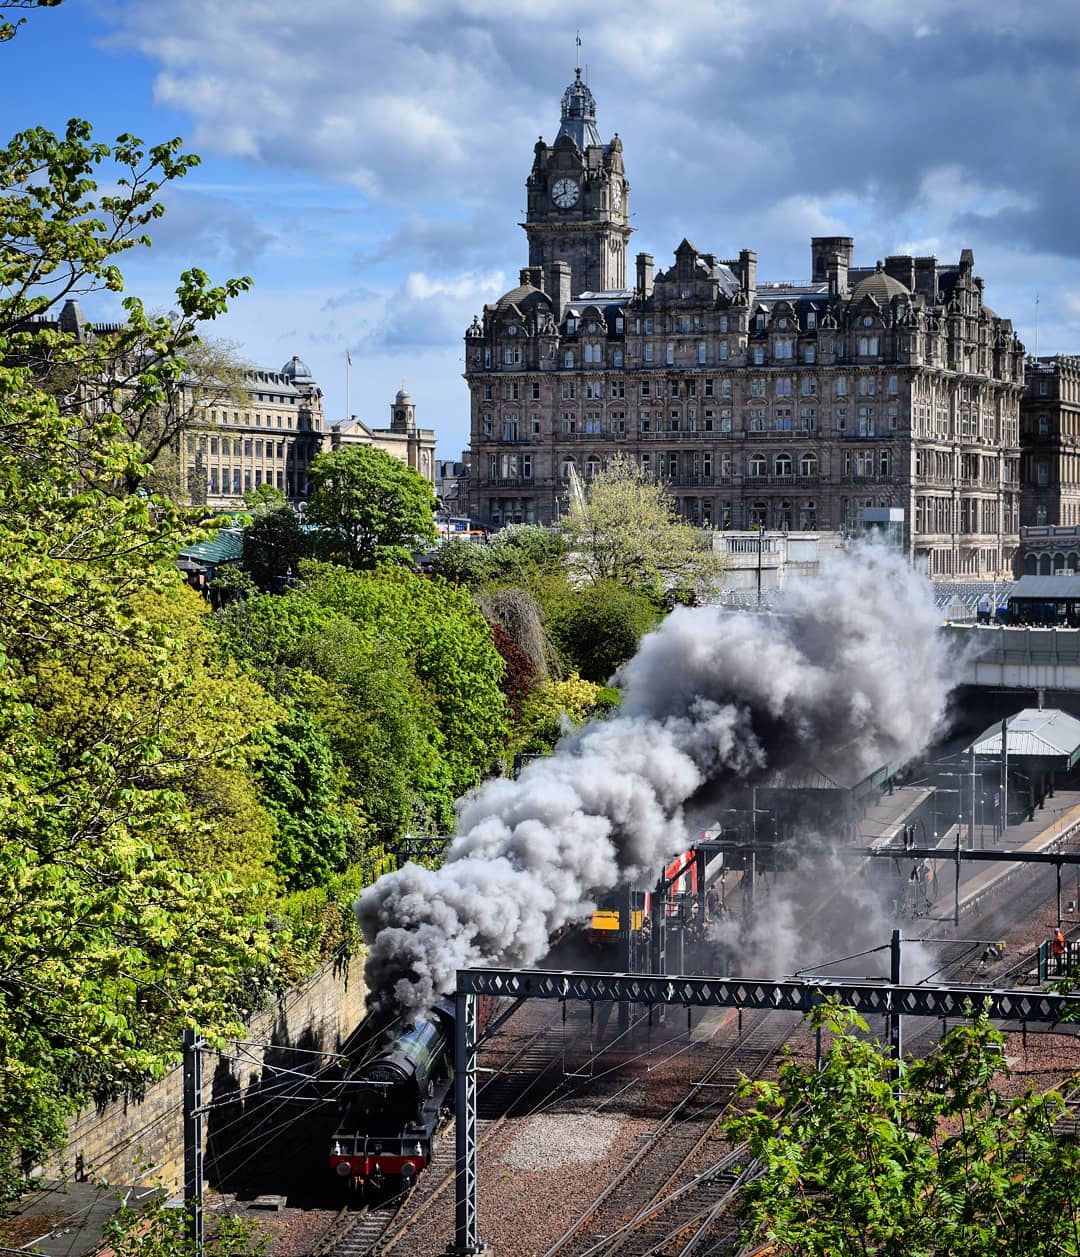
1057	947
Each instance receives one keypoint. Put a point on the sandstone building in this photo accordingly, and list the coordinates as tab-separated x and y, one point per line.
269	436
1050	440
414	446
789	406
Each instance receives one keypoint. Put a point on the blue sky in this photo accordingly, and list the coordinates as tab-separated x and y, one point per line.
365	163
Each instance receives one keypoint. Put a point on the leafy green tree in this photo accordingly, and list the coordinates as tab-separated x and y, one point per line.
264	496
450	647
230	584
302	790
463	562
275	544
369	506
361	693
158	1231
627	530
62	238
599	626
552	708
853	1163
113	935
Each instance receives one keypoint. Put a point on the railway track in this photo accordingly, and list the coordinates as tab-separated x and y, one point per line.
631	1214
528	1070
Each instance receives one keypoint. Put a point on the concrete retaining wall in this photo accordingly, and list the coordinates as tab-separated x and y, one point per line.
141	1141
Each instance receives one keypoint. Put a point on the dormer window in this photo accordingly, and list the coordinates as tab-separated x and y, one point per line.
571	326
512	330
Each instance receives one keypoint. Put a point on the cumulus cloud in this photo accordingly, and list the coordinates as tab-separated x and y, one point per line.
744	125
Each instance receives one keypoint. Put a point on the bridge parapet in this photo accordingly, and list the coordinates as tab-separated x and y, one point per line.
1005	657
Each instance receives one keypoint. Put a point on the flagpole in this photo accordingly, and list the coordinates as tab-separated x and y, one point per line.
1036	325
348	364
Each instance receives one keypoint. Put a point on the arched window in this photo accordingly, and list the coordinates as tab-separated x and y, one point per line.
1071	563
808	515
567	463
1040	519
808	465
1059	563
592	467
1044	565
783	466
756	465
758	512
1031	565
783	514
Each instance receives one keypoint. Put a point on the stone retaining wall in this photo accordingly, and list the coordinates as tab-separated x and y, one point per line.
141	1141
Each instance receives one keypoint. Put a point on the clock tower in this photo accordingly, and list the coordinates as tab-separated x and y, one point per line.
578	199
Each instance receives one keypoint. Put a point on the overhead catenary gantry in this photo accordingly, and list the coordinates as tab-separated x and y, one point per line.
888	999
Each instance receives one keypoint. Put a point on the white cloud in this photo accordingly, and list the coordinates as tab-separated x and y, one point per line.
904	123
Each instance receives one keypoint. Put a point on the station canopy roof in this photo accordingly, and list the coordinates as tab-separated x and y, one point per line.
1035	733
1046	587
226	545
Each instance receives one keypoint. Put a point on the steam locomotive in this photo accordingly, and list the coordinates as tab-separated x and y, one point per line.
389	1125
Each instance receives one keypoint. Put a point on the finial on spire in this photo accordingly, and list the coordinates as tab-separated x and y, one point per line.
577	41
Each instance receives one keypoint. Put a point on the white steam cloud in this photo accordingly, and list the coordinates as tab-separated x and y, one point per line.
850	674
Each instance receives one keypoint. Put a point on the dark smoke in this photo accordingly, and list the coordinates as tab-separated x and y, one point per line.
847	676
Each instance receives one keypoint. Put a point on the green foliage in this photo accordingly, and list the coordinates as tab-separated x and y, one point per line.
301	789
369	506
399	675
275	544
853	1163
511	556
450	646
553	708
265	496
133	851
230	584
463	562
627	530
599	626
321	923
157	1231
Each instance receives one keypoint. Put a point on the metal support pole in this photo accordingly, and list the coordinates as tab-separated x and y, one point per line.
895	1027
626	922
1057	870
659	939
466	1237
193	1140
1004	775
956	908
971	822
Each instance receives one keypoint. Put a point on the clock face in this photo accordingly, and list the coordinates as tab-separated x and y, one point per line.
616	195
565	193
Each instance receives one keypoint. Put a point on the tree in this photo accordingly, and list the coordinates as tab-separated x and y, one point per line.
62	240
853	1163
599	626
448	644
275	544
302	789
264	497
627	530
554	707
369	506
113	934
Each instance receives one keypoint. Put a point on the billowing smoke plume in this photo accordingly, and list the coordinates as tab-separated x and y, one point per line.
847	676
